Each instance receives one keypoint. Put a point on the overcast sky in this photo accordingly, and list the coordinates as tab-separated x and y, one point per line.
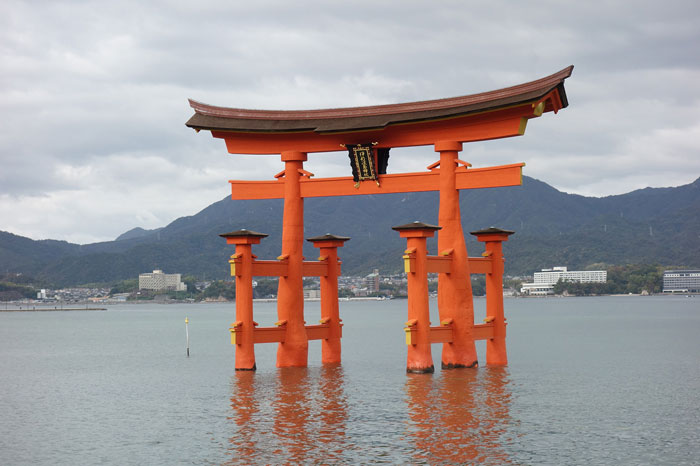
94	94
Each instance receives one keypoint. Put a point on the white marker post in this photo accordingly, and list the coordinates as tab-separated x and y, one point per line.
187	335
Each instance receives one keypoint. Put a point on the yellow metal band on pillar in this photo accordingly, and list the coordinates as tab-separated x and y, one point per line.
409	340
408	263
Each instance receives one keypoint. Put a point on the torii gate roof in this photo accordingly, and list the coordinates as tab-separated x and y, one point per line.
273	127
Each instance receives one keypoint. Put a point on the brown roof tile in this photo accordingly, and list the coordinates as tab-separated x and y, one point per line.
209	117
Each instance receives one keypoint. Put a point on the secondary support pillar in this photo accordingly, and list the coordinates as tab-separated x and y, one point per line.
290	295
419	358
242	268
455	301
330	313
493	238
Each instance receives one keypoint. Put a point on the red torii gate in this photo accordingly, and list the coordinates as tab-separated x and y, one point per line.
446	124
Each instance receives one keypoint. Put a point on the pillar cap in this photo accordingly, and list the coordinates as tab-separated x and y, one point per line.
416	226
243	233
327	237
293	155
491	231
243	236
443	146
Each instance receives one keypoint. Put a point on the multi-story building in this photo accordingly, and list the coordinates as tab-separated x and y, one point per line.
161	281
543	282
311	293
682	281
372	281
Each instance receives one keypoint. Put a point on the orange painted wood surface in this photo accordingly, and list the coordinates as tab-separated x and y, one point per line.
290	289
439	264
273	268
277	334
483	331
480	265
270	334
454	294
442	334
476	127
318	332
472	178
270	268
317	268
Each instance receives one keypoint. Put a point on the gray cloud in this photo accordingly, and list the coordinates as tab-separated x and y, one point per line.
93	94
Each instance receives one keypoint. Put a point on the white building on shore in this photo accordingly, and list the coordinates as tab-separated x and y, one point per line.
161	281
682	281
543	282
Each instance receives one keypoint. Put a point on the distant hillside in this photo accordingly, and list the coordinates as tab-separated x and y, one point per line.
653	225
137	232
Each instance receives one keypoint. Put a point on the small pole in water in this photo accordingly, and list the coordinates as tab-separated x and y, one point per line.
187	334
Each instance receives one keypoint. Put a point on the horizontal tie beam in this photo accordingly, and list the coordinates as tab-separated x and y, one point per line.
318	268
270	268
472	178
278	333
483	331
443	333
443	264
278	268
439	264
480	265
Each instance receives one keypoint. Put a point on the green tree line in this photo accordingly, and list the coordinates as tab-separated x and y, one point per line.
13	292
622	279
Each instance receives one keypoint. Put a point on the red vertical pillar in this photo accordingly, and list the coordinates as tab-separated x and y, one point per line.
330	313
454	289
242	269
290	295
419	357
496	354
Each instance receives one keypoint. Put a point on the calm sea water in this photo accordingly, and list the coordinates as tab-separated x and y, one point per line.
609	381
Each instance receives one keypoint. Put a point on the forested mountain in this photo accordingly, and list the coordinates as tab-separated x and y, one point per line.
652	225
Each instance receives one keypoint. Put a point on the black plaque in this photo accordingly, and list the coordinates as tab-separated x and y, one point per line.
362	162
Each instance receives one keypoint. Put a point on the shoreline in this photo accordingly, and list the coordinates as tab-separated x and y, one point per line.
25	307
53	309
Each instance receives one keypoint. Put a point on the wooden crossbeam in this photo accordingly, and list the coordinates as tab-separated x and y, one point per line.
270	268
443	333
317	268
278	334
439	264
480	265
319	332
443	264
278	268
270	334
472	178
482	331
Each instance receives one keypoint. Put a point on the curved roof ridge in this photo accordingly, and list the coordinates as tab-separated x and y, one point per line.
550	82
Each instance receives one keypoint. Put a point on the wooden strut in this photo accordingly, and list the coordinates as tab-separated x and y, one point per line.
443	264
278	268
277	334
245	332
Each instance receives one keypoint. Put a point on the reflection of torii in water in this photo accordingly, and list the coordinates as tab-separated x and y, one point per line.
445	124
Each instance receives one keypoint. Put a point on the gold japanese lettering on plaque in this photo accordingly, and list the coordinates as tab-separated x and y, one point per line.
364	162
